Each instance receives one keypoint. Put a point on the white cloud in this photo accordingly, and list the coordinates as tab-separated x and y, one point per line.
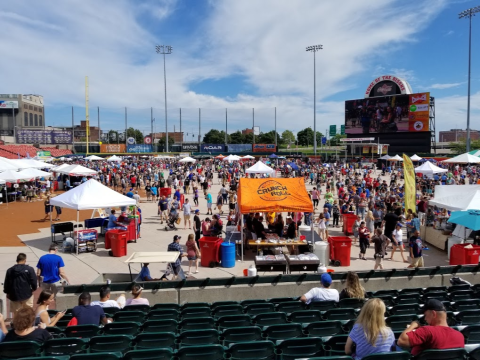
444	86
451	112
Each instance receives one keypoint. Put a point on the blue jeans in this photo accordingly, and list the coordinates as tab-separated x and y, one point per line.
361	211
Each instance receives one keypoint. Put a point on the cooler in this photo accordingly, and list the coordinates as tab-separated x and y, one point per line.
118	242
348	221
340	248
165	191
461	255
322	250
209	249
227	254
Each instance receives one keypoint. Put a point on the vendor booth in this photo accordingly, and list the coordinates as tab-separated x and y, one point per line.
260	168
428	169
93	195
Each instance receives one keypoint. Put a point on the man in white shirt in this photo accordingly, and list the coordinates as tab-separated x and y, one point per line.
187	209
105	299
136	197
323	293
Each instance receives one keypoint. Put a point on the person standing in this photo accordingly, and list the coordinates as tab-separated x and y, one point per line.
177	265
193	254
187	209
416	247
58	210
208	196
51	268
197	227
380	242
397	236
20	283
363	235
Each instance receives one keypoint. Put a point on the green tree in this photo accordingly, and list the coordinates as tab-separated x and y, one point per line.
236	138
305	137
136	134
215	136
288	137
161	141
248	139
268	138
460	147
335	141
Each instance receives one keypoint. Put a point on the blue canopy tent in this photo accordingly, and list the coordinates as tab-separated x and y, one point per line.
293	166
273	156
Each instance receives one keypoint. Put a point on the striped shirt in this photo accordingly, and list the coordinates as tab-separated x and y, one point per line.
364	348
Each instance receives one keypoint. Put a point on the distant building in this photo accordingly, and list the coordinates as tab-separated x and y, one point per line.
454	135
21	112
247	131
177	136
81	132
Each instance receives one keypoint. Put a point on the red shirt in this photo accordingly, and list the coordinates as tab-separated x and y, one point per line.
435	337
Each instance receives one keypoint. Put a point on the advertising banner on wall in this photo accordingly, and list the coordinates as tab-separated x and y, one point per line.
44	136
190	147
419	112
212	148
112	148
139	148
238	148
264	148
7	104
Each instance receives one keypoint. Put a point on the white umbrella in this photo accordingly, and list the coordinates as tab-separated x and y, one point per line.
187	159
415	158
114	158
464	159
35	173
94	158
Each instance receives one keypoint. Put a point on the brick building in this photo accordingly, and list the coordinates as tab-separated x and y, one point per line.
177	136
81	132
247	131
454	135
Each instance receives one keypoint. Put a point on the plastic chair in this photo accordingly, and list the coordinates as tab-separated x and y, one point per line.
439	295
252	301
347	326
461	295
221	303
393	355
230	321
142	307
340	314
387	299
98	356
81	331
351	303
471	334
149	354
292	349
474	354
255	350
416	291
471	304
167	306
400	322
393	293
201	352
335	345
280	300
120	343
18	349
411	309
195	312
459	287
241	334
150	340
305	316
198	337
197	324
259	308
121	328
282	332
160	326
60	357
339	357
322	305
435	289
55	331
134	315
468	317
404	299
194	304
65	346
291	306
271	318
163	314
443	354
323	328
111	310
224	310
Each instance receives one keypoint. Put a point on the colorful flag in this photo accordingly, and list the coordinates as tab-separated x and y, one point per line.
410	189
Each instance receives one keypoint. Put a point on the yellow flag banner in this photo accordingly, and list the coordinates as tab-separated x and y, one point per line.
409	176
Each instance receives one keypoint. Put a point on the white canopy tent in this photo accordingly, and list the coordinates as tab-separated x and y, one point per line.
114	158
31	164
457	197
415	157
14	176
60	167
76	170
231	158
187	159
35	173
463	159
395	158
247	157
91	195
427	168
94	158
260	168
385	157
7	164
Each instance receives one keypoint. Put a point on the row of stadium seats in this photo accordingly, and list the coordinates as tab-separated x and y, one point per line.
12	151
57	152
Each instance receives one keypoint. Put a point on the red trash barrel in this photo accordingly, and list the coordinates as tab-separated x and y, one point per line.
340	249
118	240
209	249
459	255
165	191
348	221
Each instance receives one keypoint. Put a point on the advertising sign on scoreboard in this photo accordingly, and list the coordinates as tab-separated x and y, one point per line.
264	147
112	148
139	148
212	148
238	148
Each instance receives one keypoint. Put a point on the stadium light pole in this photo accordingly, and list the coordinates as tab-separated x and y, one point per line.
469	13
165	50
314	49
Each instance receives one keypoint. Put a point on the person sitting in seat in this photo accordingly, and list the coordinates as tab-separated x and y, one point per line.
105	300
23	321
87	314
353	288
145	274
436	335
137	296
323	293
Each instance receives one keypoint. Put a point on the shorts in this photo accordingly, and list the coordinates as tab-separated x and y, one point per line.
15	305
231	206
176	268
421	216
52	287
379	261
417	262
192	258
186	216
209	205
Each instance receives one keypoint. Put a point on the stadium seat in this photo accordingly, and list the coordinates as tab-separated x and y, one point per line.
292	349
195	312
195	304
403	299
133	315
340	314
323	328
443	354
201	352
335	345
63	323
143	307
434	289
305	316
98	356
18	349
252	301
378	293
282	332
197	324
415	291
461	295
474	354
439	295
351	303
459	287
339	357
387	299
322	305
105	343
122	328
241	334
272	318
81	331
281	299
471	333
290	306
347	326
150	340
224	310
46	357
258	350
471	304
167	306
400	322
160	326
198	337
230	321
221	303
111	310
163	314
411	309
393	355
149	354
55	331
259	308
65	346
468	317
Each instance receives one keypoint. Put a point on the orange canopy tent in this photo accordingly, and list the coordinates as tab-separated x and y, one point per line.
273	195
219	156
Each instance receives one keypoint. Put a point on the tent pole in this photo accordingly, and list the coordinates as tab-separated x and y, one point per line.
241	229
76	235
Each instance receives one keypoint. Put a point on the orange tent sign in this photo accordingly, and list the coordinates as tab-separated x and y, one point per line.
273	195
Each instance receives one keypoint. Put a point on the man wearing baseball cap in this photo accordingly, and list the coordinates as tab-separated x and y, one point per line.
436	335
177	265
323	293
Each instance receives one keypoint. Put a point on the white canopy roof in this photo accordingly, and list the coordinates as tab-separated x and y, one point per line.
415	158
2	181
94	158
31	164
395	158
60	167
427	168
13	176
260	168
457	197
76	170
187	159
114	158
35	173
231	158
464	159
7	164
151	257
385	157
91	195
247	157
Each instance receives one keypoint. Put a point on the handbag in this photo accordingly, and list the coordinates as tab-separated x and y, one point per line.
178	221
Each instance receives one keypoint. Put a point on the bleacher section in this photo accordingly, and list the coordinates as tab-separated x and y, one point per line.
13	151
279	328
57	152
